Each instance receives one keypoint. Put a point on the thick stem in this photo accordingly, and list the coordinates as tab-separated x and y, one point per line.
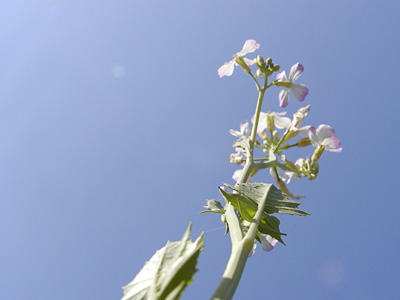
237	261
233	272
241	246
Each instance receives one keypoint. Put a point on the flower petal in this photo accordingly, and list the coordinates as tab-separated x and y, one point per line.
332	144
281	76
312	134
267	242
300	91
282	122
244	128
303	131
262	123
325	132
226	69
248	61
295	71
236	174
248	47
284	97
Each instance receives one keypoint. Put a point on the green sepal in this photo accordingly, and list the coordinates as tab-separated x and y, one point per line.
168	272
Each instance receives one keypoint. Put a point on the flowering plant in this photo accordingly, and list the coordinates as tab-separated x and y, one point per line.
250	208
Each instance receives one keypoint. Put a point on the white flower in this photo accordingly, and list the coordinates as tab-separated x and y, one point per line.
323	139
236	174
289	175
228	67
300	91
324	136
244	131
267	242
273	118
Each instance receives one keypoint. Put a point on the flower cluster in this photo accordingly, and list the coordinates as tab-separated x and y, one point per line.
272	133
265	69
276	134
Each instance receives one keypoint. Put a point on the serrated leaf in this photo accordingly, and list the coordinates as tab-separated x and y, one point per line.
168	272
248	208
276	202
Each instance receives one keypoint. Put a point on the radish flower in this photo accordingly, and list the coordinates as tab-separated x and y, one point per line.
323	139
267	242
270	120
228	67
300	91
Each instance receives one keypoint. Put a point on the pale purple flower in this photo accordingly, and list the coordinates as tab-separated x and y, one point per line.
236	174
228	67
300	91
324	136
267	242
289	175
279	121
244	131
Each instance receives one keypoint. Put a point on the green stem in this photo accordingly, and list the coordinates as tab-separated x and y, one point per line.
241	246
237	261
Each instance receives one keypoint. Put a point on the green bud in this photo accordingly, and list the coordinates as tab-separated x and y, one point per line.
277	68
264	135
259	73
286	84
270	122
275	134
291	165
267	72
269	61
223	218
304	142
260	61
240	61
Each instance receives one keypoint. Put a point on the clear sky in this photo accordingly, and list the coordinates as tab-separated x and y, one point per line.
114	129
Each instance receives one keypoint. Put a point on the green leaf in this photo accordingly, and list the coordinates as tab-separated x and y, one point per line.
168	272
248	208
277	202
246	198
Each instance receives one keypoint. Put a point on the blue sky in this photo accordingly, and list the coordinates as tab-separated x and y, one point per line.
114	129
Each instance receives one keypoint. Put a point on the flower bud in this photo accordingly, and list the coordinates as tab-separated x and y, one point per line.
269	61
275	135
304	142
264	136
240	61
223	219
291	164
270	122
286	84
236	158
260	61
277	68
300	162
259	73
